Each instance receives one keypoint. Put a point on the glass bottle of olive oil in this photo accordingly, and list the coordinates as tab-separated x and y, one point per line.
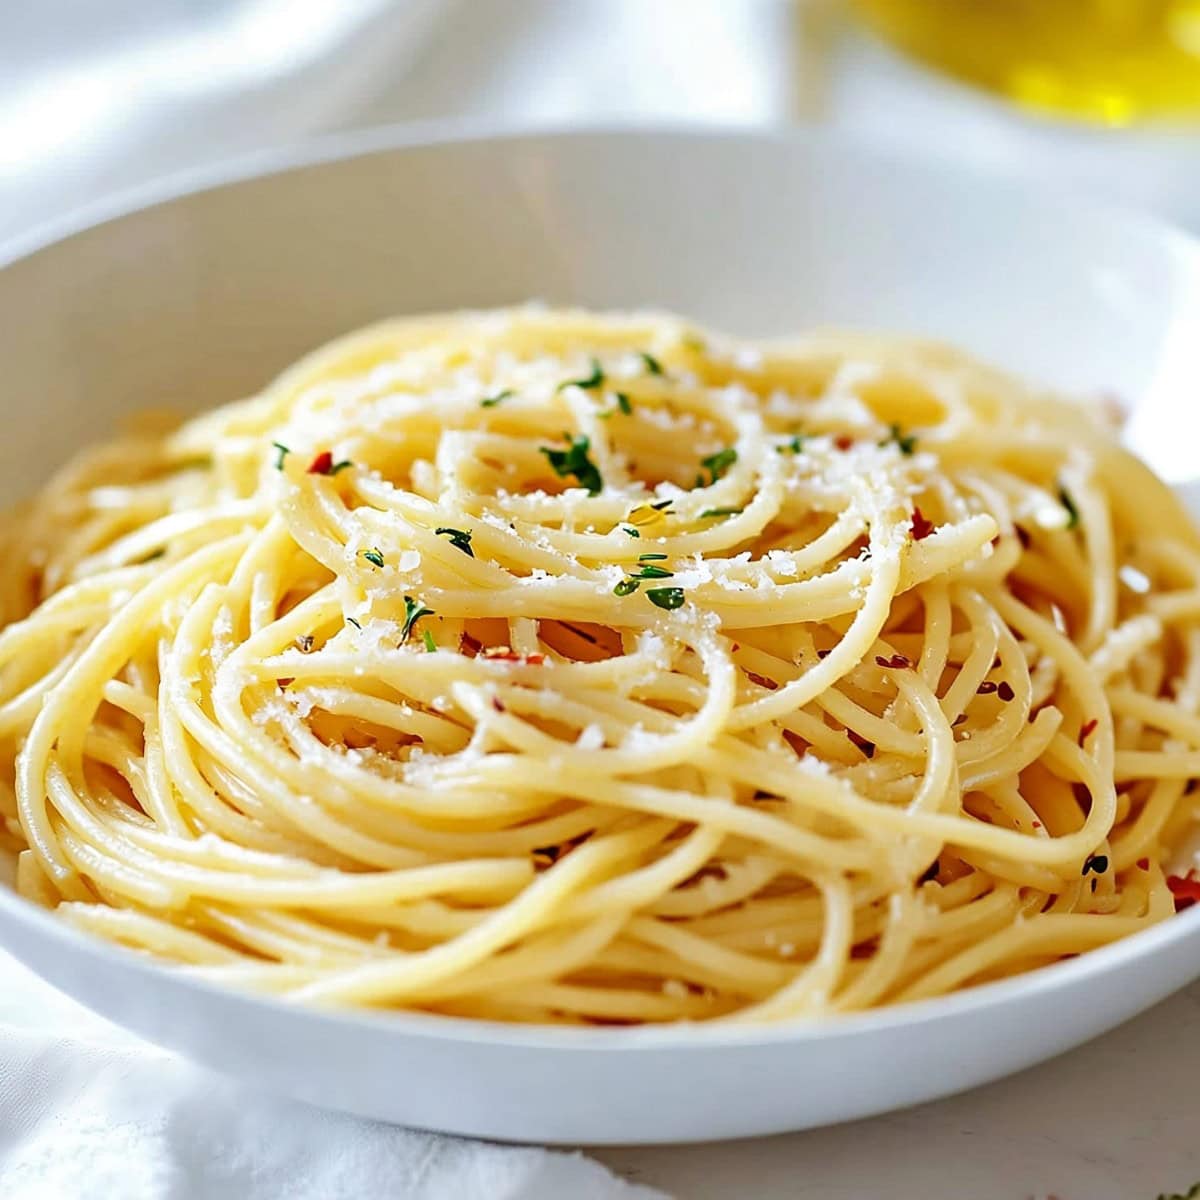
1112	61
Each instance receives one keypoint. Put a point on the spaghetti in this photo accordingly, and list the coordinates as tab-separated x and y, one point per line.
551	667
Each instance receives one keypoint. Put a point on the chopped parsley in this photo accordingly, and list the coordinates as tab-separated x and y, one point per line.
629	529
720	462
374	557
575	461
281	452
430	644
492	401
594	380
626	587
623	404
652	557
414	610
652	363
460	539
665	597
907	443
661	505
720	512
794	445
650	571
1068	502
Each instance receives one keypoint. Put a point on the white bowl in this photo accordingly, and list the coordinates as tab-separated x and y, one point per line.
193	297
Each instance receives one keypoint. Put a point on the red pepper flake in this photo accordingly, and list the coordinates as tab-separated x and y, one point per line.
1088	729
761	680
498	704
987	687
322	464
868	748
897	662
1005	692
1037	824
1143	864
286	682
736	647
1185	889
843	441
507	654
922	526
1023	536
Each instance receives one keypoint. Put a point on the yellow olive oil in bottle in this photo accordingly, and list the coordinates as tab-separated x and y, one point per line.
1112	61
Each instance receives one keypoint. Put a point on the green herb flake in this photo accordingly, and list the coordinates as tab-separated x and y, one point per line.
460	539
629	529
575	461
430	644
340	466
281	452
492	401
652	557
650	571
353	622
1068	502
720	462
626	587
623	404
589	382
665	597
652	363
1193	1193
721	512
907	443
662	505
794	445
414	610
374	557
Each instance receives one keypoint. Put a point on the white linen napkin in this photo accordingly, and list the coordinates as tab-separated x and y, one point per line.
88	1112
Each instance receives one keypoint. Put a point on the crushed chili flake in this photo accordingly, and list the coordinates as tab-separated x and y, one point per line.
868	748
897	662
498	704
1037	824
285	682
507	654
843	441
1185	889
987	687
1005	692
1087	730
322	464
761	680
1143	864
922	526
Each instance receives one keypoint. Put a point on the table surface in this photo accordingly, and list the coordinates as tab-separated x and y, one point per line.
1117	1119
